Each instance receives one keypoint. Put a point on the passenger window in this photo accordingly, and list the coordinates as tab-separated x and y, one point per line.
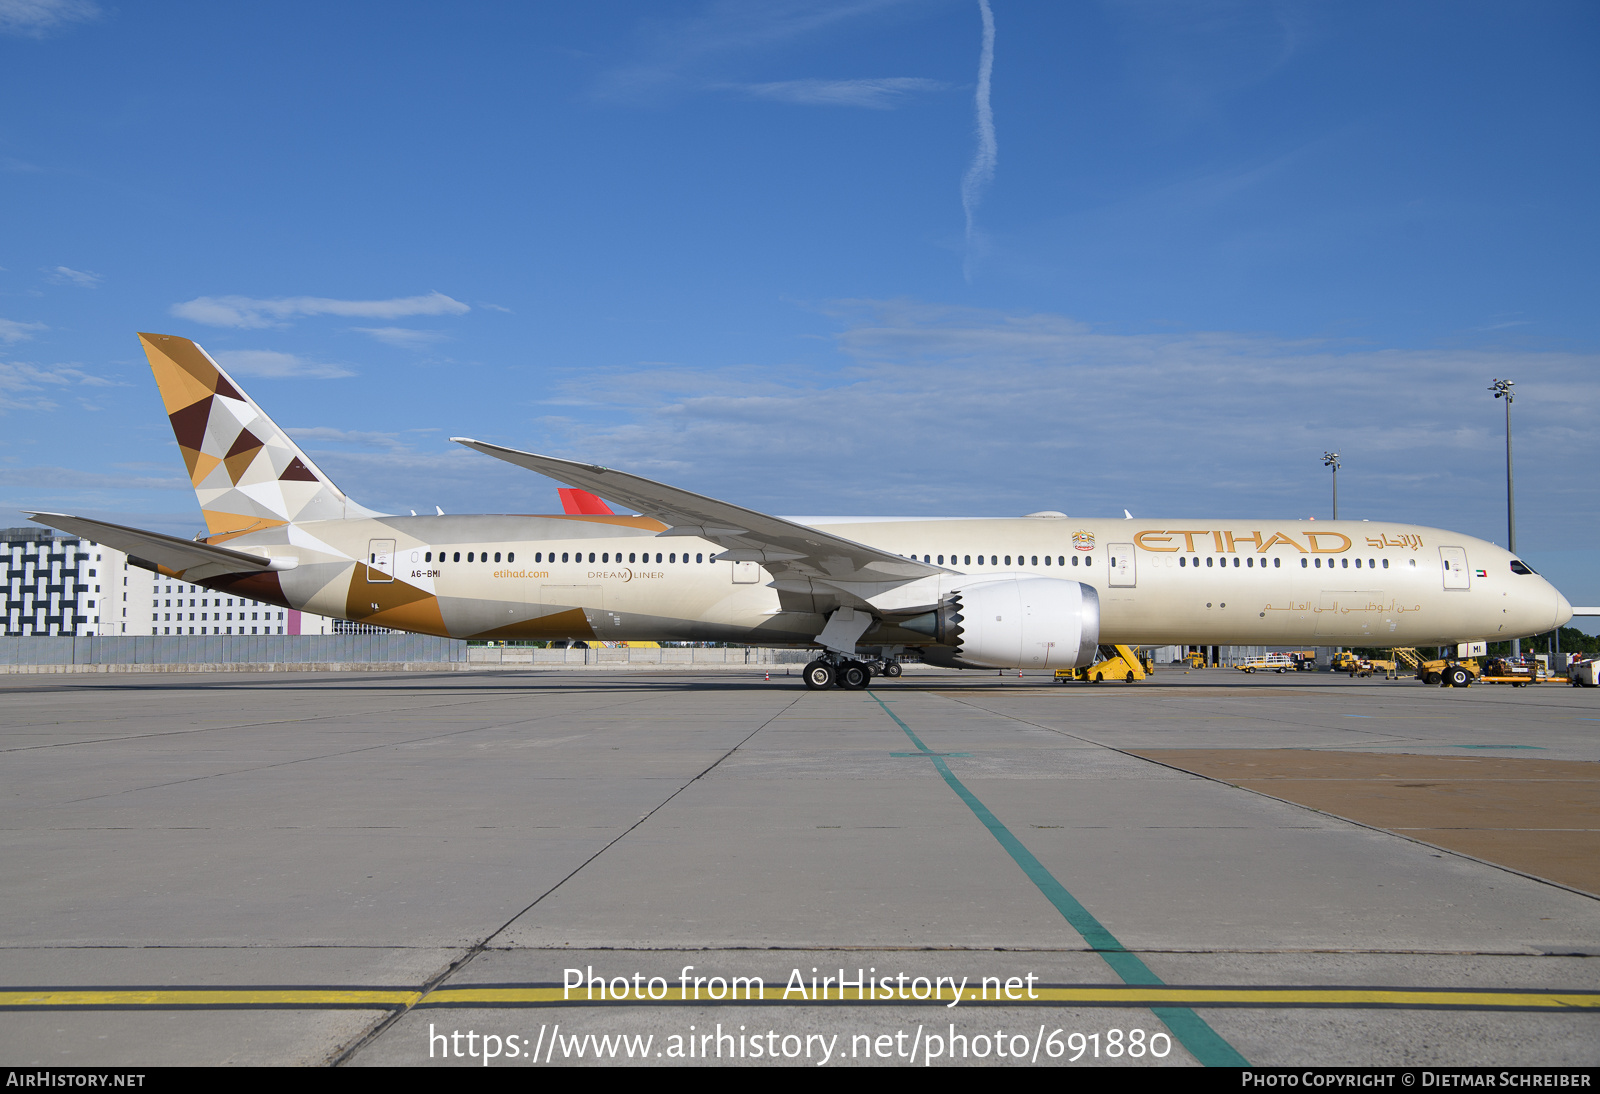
1008	560
563	556
538	556
1074	560
672	557
941	560
1209	561
1061	560
1412	562
1385	564
969	560
1277	563
1304	564
1249	562
658	556
630	556
1047	560
1088	560
591	556
1035	560
427	556
469	556
511	556
497	556
1319	564
1344	563
1182	561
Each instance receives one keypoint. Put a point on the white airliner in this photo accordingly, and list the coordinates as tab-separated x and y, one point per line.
1034	592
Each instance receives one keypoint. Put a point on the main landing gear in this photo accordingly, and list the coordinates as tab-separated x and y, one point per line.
848	674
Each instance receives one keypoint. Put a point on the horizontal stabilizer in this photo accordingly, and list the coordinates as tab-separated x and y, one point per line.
185	558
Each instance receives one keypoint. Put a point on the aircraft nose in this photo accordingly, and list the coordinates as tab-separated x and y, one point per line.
1563	611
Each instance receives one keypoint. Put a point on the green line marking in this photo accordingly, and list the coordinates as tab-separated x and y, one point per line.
902	754
1203	1042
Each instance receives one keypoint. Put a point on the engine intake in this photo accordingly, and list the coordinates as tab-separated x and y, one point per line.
1014	623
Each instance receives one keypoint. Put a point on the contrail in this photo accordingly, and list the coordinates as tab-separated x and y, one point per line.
982	170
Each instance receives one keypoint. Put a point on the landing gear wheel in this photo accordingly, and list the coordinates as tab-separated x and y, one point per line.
819	675
854	676
892	669
1458	678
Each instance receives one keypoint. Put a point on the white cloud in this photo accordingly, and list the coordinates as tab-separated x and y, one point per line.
13	331
950	410
245	311
36	18
404	337
673	48
28	387
878	94
270	365
65	275
981	171
385	442
71	478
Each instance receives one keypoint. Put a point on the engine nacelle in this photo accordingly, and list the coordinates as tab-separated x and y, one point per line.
1020	622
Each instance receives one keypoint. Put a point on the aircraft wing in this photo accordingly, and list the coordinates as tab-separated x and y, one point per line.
183	558
786	549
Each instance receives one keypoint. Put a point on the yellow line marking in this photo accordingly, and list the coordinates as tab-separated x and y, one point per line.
1112	995
221	997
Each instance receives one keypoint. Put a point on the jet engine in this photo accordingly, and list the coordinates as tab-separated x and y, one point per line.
1022	622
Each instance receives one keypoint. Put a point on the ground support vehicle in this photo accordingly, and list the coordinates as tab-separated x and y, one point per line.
1450	672
1118	663
1270	662
1584	674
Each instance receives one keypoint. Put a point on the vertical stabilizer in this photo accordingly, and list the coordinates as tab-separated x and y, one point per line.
246	471
582	503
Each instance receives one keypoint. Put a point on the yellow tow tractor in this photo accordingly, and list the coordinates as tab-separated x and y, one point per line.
1364	666
1450	672
1196	659
1123	663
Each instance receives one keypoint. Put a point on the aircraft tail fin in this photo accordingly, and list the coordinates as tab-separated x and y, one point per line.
246	471
576	502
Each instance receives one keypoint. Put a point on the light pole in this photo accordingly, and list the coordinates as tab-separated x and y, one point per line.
1502	390
1331	460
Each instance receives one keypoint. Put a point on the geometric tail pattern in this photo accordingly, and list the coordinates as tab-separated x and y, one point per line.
246	471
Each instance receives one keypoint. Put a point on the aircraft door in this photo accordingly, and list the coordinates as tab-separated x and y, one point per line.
1119	557
1456	574
380	561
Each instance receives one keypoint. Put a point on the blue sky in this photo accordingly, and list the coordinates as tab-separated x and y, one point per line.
726	245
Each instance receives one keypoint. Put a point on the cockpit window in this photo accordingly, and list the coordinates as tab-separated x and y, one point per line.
1520	567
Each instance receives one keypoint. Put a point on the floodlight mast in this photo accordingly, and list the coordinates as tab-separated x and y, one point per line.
1502	390
1331	460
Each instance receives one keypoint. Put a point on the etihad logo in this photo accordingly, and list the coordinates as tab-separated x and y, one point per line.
1082	541
1224	543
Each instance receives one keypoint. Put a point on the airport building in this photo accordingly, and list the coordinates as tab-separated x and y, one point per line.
59	585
